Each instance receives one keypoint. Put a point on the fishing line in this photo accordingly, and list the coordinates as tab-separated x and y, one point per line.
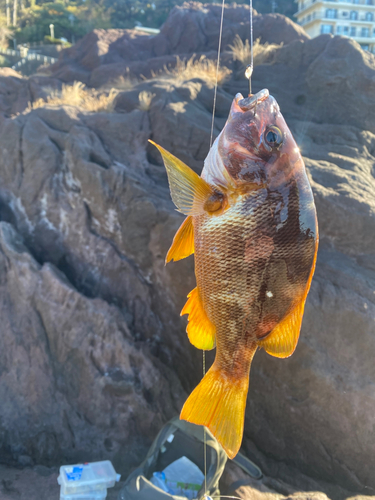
217	71
211	137
250	67
204	434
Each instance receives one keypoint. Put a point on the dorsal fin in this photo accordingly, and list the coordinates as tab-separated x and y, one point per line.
183	242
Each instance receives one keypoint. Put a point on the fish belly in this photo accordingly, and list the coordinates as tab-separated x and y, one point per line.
252	265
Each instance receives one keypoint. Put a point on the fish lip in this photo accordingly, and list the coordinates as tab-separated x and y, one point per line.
253	100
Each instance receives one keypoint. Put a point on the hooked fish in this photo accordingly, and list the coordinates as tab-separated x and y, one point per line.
251	222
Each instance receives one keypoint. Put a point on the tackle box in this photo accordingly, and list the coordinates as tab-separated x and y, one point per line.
87	478
93	495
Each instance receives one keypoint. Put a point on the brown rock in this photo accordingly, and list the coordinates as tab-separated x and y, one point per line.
14	92
194	27
99	383
75	398
190	28
235	482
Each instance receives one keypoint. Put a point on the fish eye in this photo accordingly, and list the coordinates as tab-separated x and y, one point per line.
273	137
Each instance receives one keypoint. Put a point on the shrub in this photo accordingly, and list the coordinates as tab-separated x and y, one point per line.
145	100
78	95
262	53
4	62
203	68
56	41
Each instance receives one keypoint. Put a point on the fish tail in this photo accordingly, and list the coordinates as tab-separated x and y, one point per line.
219	402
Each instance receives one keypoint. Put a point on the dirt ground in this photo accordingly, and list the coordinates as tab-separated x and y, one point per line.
39	483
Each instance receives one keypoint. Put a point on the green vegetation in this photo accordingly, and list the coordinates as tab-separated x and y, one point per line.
4	62
29	20
48	40
70	20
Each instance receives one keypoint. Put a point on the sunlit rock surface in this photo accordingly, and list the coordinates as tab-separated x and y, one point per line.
106	55
93	353
193	28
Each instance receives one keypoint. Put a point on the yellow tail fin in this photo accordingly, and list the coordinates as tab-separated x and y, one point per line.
219	402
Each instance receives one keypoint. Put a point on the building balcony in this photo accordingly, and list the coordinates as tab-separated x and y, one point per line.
308	6
363	39
358	37
361	20
338	3
323	17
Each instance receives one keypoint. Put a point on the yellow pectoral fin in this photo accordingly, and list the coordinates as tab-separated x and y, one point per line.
189	191
183	242
283	339
200	330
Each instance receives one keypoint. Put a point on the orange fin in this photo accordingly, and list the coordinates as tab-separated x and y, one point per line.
200	330
189	192
283	339
219	402
183	242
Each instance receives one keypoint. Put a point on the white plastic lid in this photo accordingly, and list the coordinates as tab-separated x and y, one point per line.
88	477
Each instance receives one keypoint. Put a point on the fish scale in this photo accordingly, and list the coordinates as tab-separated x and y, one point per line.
230	285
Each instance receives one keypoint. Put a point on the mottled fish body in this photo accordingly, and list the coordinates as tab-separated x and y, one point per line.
252	226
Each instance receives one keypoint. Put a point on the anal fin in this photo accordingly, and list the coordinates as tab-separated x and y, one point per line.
283	339
183	242
201	331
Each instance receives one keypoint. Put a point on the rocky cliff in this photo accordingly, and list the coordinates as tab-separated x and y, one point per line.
93	353
105	55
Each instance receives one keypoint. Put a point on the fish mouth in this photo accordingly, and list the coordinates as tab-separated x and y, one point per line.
252	101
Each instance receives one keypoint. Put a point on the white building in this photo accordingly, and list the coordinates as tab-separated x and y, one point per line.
352	18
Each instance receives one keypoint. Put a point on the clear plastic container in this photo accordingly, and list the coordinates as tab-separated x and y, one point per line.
182	477
93	495
87	478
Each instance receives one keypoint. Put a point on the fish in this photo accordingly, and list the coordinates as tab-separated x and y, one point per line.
251	224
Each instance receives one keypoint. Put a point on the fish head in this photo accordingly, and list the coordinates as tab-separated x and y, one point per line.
255	149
